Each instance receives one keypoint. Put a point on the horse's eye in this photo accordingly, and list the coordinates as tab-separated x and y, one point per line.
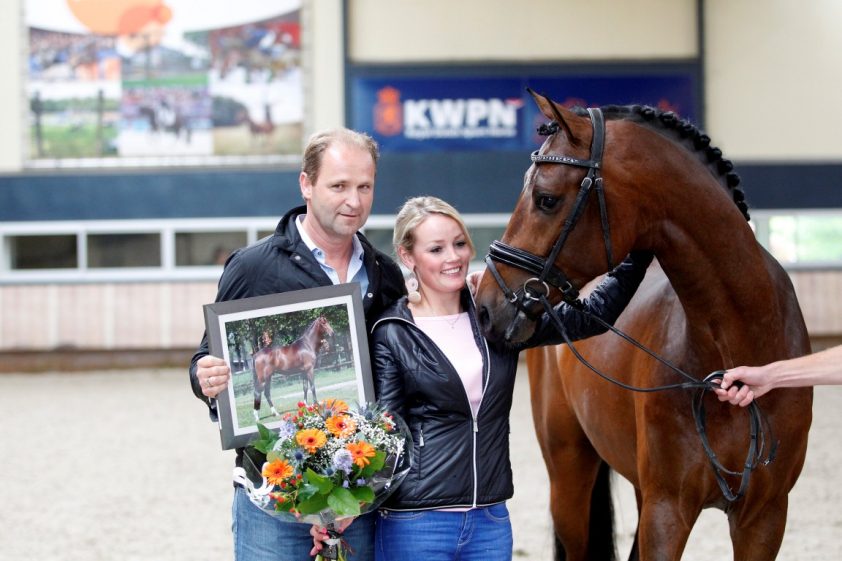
546	202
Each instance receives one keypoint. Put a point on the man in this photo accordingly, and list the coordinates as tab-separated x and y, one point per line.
315	245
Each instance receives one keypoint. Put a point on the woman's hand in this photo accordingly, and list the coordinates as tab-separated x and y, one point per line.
320	534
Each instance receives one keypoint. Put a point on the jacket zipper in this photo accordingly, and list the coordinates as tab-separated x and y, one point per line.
474	422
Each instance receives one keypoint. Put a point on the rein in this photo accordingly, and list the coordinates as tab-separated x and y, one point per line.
536	290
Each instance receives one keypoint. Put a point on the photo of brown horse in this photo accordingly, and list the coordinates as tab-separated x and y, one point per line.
287	360
713	299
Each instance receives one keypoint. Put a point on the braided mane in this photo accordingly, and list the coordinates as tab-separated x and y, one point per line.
686	133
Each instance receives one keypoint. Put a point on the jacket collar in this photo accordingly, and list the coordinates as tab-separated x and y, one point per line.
400	309
287	237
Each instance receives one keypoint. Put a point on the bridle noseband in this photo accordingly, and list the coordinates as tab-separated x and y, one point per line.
535	290
548	274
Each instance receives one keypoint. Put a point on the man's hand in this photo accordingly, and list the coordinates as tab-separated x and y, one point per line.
213	375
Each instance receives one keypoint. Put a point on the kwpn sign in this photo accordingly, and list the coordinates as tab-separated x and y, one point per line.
439	114
444	118
415	114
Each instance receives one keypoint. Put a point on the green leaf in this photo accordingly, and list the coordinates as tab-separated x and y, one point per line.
266	441
323	483
312	505
273	455
306	491
376	464
343	502
265	433
363	494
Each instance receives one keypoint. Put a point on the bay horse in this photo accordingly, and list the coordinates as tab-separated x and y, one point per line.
713	299
298	356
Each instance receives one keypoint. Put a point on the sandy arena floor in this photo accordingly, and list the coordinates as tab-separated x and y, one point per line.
125	465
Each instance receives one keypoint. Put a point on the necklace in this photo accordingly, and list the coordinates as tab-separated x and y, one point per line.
452	323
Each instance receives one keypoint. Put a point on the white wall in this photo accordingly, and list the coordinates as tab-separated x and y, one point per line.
324	53
529	30
774	77
11	93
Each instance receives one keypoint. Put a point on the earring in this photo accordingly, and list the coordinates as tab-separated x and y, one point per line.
412	289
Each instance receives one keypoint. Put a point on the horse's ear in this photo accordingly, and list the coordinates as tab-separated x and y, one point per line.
554	112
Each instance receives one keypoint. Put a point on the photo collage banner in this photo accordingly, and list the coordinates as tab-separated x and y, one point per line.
163	82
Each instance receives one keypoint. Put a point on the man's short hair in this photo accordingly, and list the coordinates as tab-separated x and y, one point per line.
319	142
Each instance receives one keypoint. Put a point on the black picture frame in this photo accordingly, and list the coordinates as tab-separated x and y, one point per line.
279	332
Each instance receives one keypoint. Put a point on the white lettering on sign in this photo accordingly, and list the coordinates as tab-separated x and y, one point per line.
460	118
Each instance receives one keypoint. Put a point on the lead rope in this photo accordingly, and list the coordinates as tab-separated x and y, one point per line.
757	419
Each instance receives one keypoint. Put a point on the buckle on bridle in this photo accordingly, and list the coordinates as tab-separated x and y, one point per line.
528	293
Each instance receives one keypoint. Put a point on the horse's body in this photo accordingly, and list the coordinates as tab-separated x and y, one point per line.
716	299
166	119
259	131
298	356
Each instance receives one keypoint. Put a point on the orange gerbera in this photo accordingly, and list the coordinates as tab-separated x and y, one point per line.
361	452
275	472
311	439
336	405
341	425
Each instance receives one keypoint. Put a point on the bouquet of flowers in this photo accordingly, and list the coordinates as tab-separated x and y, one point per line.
326	462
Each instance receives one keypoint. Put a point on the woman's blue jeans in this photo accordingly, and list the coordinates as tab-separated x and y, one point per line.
480	534
259	536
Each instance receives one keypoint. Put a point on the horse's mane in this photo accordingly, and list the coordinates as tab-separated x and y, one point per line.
684	132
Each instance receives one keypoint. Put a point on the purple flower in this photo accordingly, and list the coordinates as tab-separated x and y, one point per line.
360	482
342	460
286	431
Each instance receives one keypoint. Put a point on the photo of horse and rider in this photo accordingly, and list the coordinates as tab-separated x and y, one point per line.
281	359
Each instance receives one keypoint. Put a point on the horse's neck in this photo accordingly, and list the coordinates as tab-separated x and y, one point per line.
728	294
311	336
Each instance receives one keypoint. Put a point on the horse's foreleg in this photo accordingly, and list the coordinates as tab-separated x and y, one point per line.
757	535
312	378
256	410
579	495
268	393
663	528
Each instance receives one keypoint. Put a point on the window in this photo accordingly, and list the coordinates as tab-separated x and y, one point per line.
802	238
124	250
42	252
206	248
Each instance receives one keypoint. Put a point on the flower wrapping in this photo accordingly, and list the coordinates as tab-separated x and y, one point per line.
326	461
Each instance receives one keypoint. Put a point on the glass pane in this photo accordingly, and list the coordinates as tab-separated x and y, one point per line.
43	252
794	239
124	250
206	248
263	233
482	236
381	238
782	243
819	238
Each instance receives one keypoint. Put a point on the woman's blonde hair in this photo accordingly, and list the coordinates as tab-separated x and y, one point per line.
414	212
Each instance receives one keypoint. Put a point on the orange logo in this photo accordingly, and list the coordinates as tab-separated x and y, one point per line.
388	112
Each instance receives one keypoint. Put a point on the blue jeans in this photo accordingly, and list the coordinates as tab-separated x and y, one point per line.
480	534
259	536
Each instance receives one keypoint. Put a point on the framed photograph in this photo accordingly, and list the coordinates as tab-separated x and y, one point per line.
306	345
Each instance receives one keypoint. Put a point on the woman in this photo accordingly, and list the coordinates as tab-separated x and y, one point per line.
454	390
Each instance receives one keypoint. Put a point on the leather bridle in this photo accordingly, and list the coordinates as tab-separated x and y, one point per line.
535	290
545	269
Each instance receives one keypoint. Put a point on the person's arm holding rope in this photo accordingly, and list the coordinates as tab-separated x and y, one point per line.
822	368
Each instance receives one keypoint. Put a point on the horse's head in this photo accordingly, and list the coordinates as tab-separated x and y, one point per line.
325	328
556	240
